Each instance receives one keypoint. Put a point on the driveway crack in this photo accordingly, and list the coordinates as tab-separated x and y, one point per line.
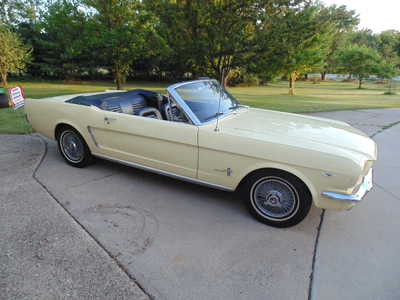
384	127
310	286
113	257
387	191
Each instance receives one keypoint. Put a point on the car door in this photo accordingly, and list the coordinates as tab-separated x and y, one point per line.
159	144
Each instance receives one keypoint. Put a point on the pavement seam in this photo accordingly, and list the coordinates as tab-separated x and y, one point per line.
387	191
384	127
310	286
123	269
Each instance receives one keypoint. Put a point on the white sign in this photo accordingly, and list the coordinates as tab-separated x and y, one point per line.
16	97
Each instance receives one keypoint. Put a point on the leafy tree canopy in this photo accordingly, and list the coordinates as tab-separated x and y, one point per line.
122	31
215	37
13	54
13	12
361	62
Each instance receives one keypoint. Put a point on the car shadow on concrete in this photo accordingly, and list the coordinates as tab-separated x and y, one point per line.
182	240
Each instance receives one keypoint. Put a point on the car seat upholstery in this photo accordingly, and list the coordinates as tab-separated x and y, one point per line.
127	104
135	102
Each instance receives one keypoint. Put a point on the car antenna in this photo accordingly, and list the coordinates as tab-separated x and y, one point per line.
219	107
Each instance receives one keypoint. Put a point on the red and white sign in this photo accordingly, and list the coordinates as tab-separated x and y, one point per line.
16	96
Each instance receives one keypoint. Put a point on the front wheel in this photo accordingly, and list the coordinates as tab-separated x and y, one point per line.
276	198
73	148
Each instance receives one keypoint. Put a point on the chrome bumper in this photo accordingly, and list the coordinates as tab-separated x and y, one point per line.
365	187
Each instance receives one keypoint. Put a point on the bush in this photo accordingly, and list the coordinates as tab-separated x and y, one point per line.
389	93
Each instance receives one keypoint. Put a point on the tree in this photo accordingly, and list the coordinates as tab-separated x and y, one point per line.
388	44
308	48
386	70
13	54
359	61
299	38
339	21
13	12
31	34
122	31
385	44
216	36
64	38
364	37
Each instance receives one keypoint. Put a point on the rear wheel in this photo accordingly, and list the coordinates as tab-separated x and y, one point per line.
276	198
73	148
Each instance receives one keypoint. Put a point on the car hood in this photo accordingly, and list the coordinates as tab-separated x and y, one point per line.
285	127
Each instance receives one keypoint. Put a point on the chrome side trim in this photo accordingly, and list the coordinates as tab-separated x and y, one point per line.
166	173
365	187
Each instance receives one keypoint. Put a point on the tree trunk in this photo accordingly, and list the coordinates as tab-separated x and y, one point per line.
118	75
225	82
222	68
223	78
349	77
4	80
360	84
323	75
118	81
306	76
292	83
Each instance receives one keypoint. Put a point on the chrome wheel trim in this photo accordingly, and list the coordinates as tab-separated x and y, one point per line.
72	147
274	198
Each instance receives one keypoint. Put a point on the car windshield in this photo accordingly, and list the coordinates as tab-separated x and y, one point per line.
207	99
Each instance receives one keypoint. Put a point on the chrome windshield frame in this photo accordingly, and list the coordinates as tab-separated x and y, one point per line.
189	113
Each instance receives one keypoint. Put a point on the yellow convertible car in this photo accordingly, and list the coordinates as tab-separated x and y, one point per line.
280	163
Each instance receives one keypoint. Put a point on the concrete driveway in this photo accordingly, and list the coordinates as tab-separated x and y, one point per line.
130	234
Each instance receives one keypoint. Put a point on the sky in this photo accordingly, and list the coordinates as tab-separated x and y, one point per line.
376	15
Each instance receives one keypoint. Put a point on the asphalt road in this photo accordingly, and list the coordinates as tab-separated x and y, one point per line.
111	231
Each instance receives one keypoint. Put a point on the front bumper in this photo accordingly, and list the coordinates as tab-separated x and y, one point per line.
364	188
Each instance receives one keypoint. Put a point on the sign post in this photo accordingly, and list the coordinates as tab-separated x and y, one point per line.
16	96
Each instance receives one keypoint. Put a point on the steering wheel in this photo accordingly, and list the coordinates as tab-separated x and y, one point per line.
173	113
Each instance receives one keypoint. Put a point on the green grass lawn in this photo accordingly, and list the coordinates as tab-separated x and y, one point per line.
13	121
324	96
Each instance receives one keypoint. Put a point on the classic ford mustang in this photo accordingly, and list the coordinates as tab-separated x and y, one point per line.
280	163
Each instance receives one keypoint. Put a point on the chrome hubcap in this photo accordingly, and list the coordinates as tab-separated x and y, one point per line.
72	147
274	197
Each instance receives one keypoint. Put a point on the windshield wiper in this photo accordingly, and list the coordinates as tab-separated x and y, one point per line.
213	116
221	113
238	106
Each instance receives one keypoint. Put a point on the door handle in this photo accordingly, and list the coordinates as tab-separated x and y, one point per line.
109	119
